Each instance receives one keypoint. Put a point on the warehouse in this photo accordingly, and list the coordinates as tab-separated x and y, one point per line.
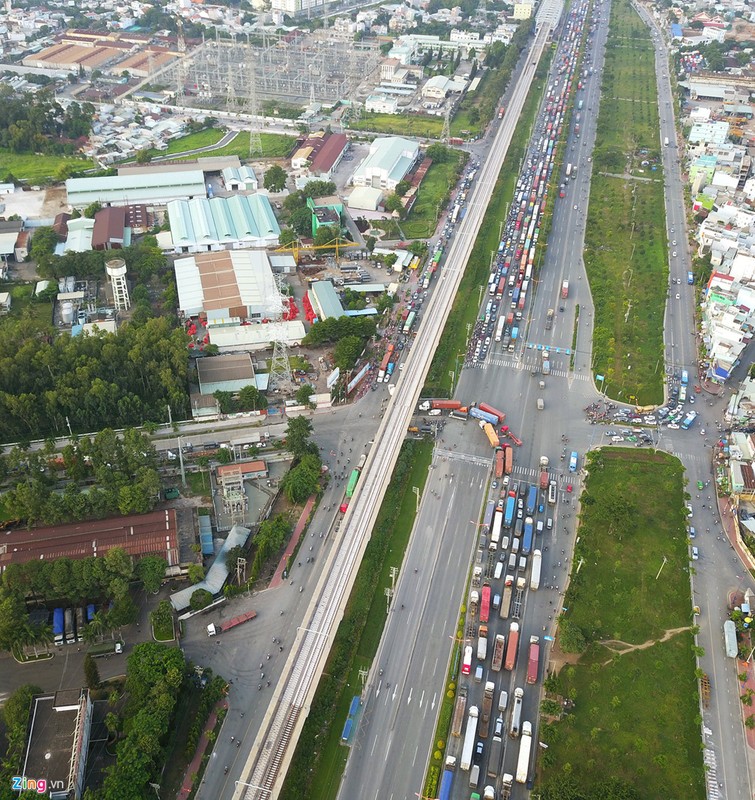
387	163
230	373
228	285
201	225
240	179
153	189
249	338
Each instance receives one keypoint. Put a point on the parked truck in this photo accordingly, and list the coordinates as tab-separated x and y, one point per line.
226	625
470	736
537	564
70	633
446	781
491	434
498	648
534	659
549	319
516	713
508	587
512	646
446	405
487	708
509	459
483	416
490	410
564	290
525	749
496	756
459	708
58	626
105	649
482	643
485	603
527	538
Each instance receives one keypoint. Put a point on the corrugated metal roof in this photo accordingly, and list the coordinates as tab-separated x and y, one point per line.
327	302
135	187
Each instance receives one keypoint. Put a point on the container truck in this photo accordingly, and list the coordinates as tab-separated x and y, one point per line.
499	328
510	510
79	624
495	531
485	603
500	416
70	635
512	646
549	319
226	625
564	290
496	756
470	736
499	463
537	563
527	538
478	414
508	588
446	782
509	460
552	492
446	405
516	713
525	749
459	708
491	434
482	643
466	664
532	499
58	626
500	644
534	659
507	784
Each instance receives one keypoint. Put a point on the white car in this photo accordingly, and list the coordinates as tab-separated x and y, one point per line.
689	509
617	438
673	426
695	554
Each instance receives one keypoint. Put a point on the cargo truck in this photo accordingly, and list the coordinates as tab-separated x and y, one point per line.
527	538
549	319
446	782
105	649
508	516
499	328
226	625
516	713
525	749
474	602
512	646
470	736
488	409
533	660
500	644
496	756
79	624
537	563
482	643
487	707
485	603
509	460
499	460
532	499
507	784
459	708
58	626
478	414
446	405
491	434
495	531
552	493
564	290
70	634
508	588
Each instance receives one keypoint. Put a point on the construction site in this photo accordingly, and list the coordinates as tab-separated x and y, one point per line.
297	68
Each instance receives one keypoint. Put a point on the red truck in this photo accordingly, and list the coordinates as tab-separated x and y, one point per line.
490	410
450	405
511	646
221	627
544	479
564	290
499	463
485	603
509	465
534	659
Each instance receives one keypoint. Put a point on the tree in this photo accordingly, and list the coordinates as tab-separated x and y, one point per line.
162	616
151	571
275	179
571	638
393	203
301	221
251	399
326	237
288	237
11	611
298	433
347	351
200	599
143	156
92	209
370	242
43	243
303	480
303	393
316	189
225	456
384	302
195	573
91	673
402	187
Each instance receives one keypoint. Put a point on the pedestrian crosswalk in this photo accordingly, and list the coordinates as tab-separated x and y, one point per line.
711	776
526	363
529	473
470	459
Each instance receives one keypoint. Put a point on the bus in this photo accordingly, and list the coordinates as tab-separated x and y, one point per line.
685	377
573	461
689	420
70	633
499	328
683	394
409	321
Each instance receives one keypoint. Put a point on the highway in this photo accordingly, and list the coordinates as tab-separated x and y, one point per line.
273	748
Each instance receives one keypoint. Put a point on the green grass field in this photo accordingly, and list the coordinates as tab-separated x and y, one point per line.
23	305
452	346
40	168
431	197
635	713
418	125
625	247
191	141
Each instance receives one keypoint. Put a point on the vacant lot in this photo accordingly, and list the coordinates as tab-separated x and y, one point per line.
40	168
420	126
625	247
25	306
204	138
274	145
431	198
634	686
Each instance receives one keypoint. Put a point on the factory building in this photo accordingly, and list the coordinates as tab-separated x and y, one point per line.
387	163
152	189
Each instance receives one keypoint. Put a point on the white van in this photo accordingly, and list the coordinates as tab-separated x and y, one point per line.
503	700
496	601
505	543
539	526
478	674
512	562
550	524
474	777
498	570
515	545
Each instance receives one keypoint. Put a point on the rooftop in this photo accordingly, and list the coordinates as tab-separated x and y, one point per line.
329	153
231	367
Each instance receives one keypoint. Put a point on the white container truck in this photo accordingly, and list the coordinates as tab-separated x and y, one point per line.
516	713
469	740
537	563
525	749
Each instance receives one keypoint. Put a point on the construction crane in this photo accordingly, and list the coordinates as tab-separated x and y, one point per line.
297	247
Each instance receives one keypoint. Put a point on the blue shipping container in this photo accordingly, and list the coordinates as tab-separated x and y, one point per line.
445	785
532	500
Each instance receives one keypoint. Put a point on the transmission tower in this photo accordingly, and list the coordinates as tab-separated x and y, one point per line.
230	97
280	379
255	141
446	133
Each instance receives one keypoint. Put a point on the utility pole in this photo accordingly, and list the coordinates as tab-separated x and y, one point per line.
181	462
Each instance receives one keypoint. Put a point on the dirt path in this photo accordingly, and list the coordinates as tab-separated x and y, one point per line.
617	646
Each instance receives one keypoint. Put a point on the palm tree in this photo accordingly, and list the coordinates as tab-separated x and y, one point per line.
45	636
97	626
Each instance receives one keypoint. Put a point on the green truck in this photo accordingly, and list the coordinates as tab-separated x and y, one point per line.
106	648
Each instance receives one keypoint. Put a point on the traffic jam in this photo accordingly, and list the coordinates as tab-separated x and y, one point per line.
491	746
511	280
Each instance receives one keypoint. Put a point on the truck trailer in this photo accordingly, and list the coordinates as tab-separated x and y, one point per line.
510	510
496	756
487	708
527	538
470	736
491	434
490	410
534	659
508	587
478	414
537	563
499	460
459	708
509	459
516	713
512	646
498	649
525	749
446	781
226	625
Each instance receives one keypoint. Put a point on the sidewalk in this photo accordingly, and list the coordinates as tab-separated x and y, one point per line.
298	530
193	768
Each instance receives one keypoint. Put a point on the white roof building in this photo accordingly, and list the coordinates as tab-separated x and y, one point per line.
381	104
387	163
240	179
239	338
154	188
365	198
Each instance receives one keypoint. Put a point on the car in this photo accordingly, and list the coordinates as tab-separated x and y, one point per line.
692	532
479	749
617	438
498	726
540	508
502	557
549	524
673	426
695	554
689	509
678	281
519	513
494	485
569	488
678	296
702	431
700	485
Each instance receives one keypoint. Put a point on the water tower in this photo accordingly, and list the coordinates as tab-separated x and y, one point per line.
116	270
